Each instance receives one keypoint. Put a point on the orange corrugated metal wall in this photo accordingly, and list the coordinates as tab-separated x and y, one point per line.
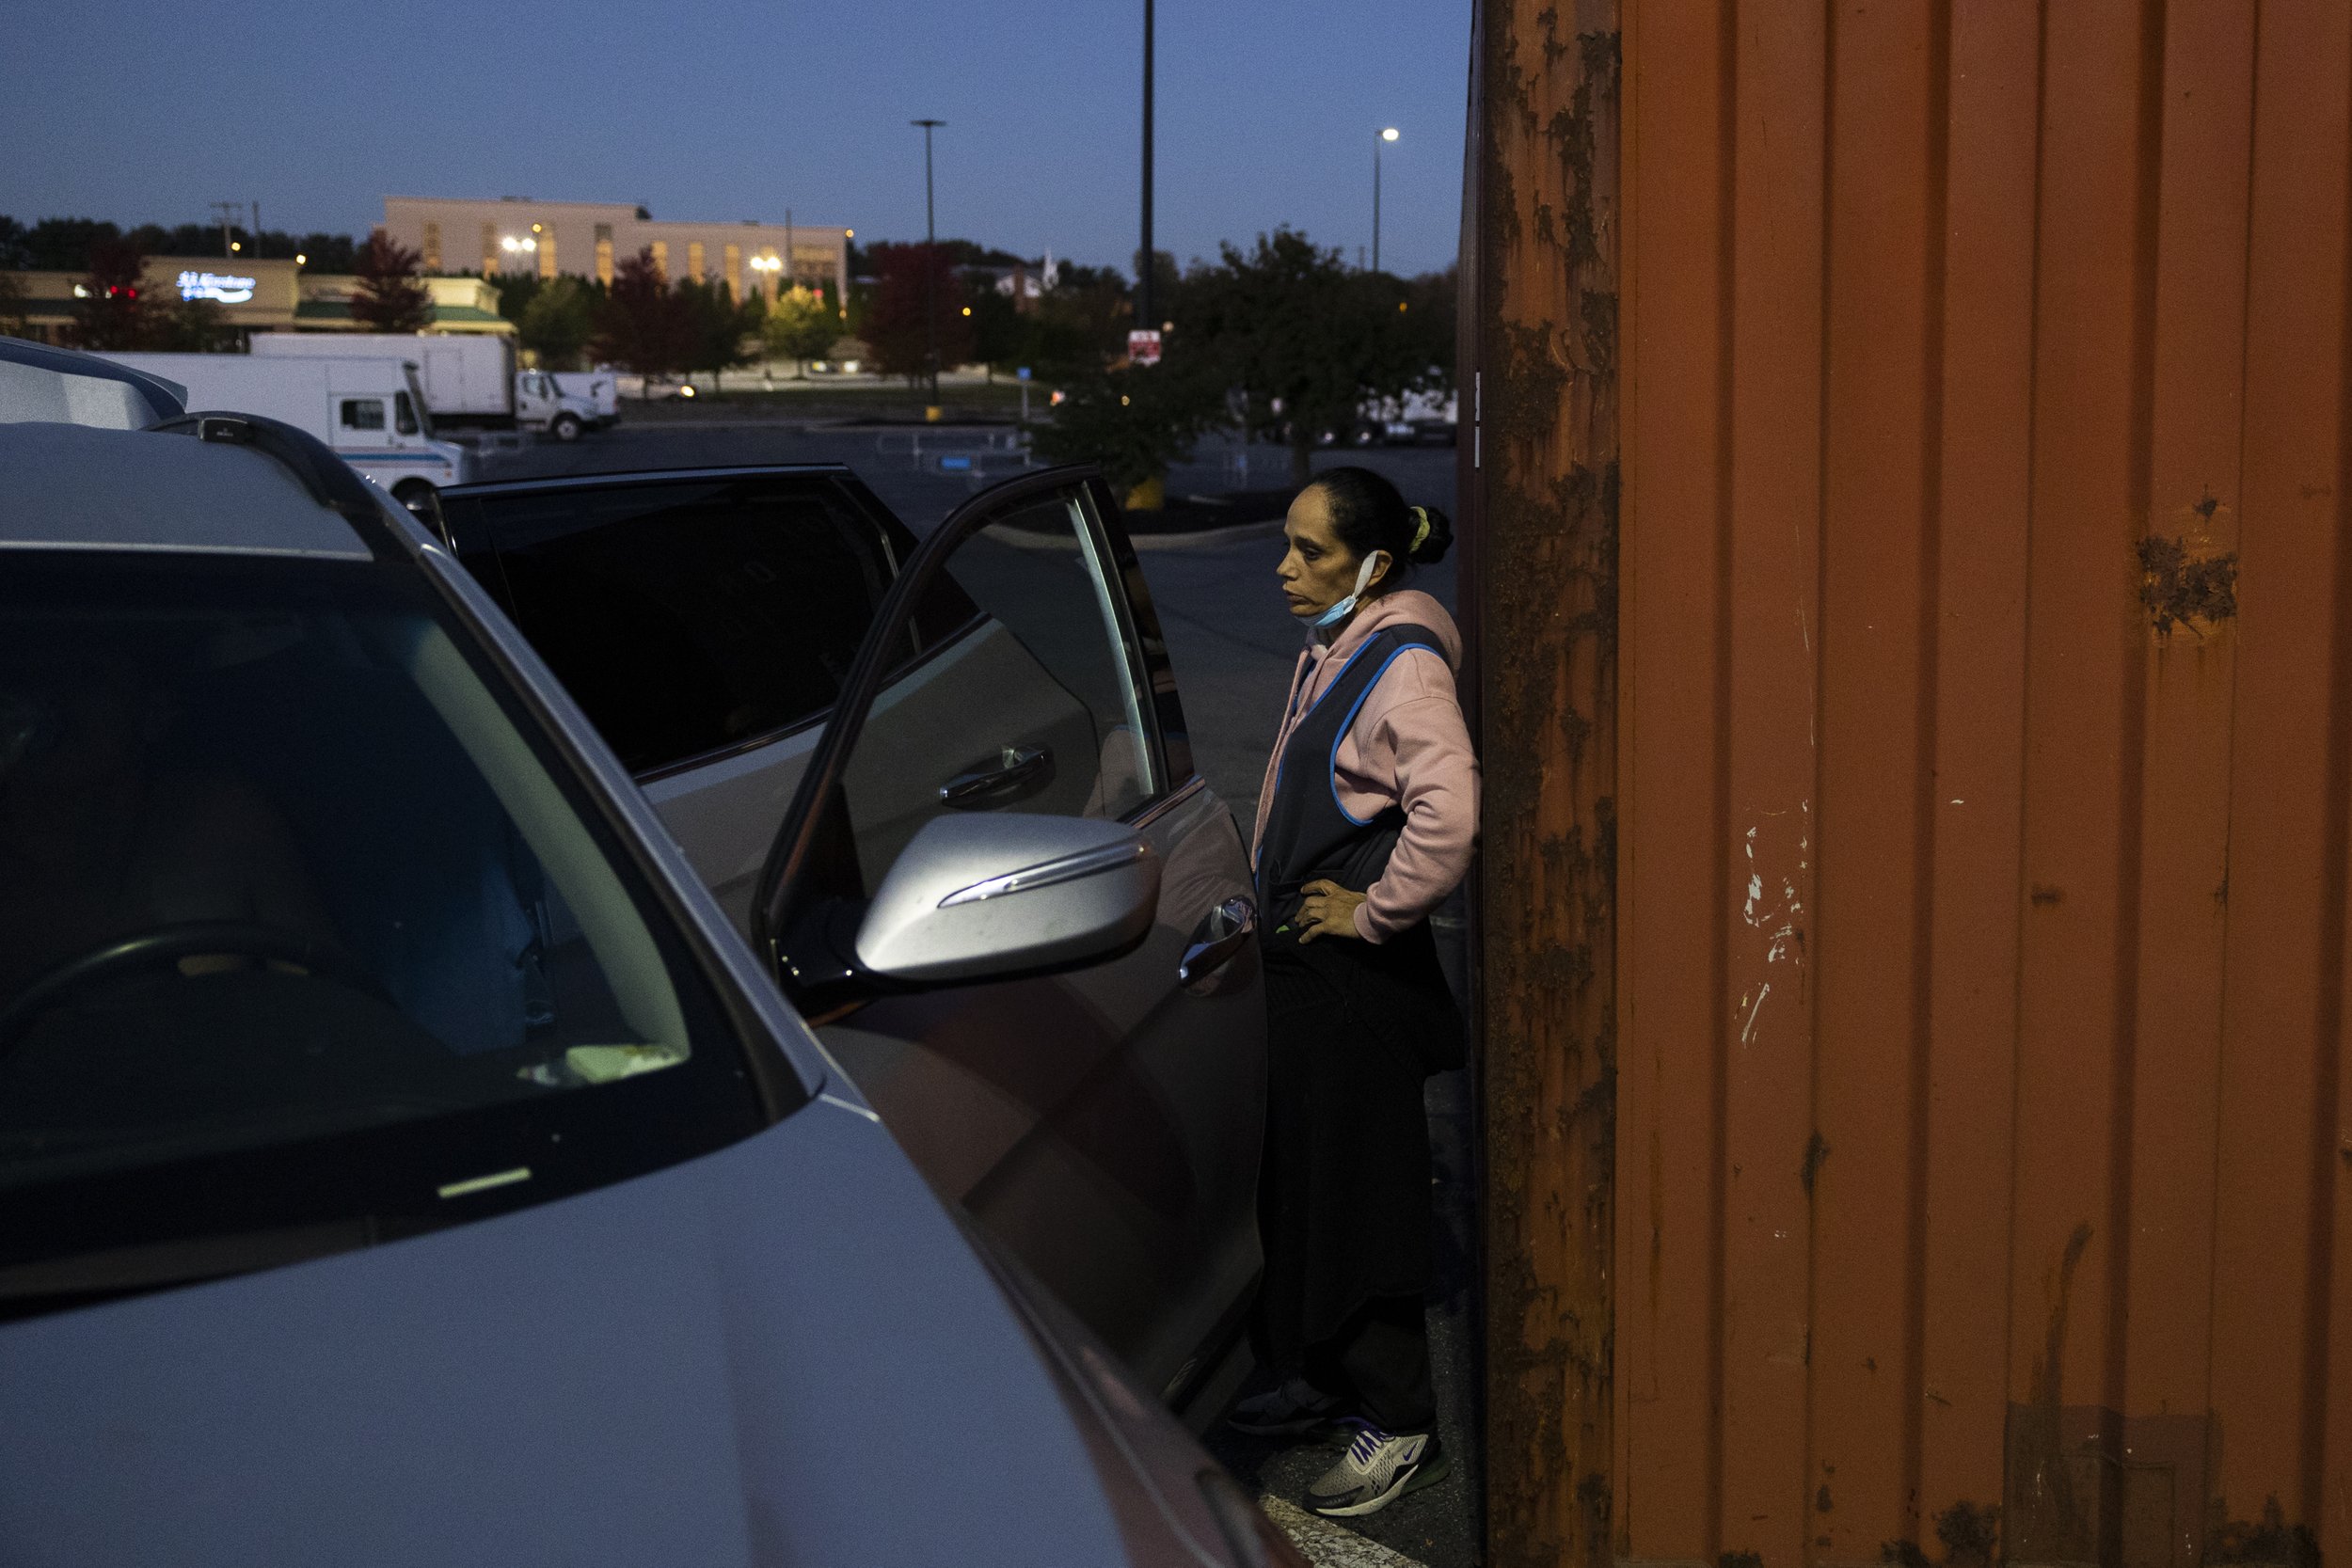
1987	712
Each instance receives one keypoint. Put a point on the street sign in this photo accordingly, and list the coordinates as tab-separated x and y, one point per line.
1143	347
1021	374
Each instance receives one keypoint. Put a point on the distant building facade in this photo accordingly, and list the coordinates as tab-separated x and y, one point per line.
256	295
591	239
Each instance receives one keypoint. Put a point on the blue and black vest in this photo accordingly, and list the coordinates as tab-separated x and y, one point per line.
1309	834
1309	837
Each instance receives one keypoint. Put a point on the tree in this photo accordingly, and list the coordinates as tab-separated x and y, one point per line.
1135	421
65	244
912	277
715	325
389	298
112	312
12	322
801	326
558	321
188	326
641	326
1304	339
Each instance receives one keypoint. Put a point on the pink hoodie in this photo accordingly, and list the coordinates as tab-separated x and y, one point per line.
1408	747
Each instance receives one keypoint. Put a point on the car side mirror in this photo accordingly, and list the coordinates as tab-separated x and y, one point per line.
987	896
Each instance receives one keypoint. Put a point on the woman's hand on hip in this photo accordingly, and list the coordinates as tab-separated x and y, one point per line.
1329	910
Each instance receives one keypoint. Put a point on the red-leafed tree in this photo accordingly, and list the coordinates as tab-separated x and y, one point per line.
390	297
643	325
913	276
112	312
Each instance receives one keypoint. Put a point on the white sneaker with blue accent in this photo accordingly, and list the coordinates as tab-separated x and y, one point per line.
1377	1469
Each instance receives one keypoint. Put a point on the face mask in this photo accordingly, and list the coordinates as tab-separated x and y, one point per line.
1346	606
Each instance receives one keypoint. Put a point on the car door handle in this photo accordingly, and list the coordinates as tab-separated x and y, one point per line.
1225	933
1017	766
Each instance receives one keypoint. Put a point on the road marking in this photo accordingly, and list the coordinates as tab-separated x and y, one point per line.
1329	1544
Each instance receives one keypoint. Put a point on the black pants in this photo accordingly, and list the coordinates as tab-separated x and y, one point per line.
1381	1357
1343	1205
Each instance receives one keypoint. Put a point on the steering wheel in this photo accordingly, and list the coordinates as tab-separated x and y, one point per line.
167	946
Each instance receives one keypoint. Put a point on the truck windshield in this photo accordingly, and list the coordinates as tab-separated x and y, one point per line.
415	400
301	926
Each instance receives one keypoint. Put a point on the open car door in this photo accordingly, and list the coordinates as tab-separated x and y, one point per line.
1100	1119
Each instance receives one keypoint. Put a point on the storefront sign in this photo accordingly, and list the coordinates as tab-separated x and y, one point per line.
216	285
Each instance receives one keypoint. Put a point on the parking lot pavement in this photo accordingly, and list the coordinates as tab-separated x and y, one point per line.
1233	648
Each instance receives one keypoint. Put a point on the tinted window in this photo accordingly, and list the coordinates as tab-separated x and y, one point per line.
287	891
404	415
1038	706
693	615
364	413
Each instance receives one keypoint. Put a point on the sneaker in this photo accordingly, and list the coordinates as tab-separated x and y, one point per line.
1296	1409
1377	1469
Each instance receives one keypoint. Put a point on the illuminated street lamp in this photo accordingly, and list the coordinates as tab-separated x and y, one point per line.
1387	135
767	266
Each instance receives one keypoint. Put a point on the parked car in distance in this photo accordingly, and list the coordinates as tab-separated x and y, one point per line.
398	1144
471	379
1102	1124
370	410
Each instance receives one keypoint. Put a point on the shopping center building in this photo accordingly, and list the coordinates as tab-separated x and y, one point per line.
590	239
252	296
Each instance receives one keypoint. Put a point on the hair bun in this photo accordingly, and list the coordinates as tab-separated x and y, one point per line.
1433	535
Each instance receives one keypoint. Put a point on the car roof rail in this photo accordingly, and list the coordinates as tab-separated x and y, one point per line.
164	399
330	482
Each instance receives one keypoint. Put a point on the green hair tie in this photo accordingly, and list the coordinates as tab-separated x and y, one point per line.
1421	533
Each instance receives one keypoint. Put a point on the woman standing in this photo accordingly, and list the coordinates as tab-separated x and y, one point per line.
1366	822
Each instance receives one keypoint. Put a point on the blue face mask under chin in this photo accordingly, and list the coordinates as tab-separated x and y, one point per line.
1346	606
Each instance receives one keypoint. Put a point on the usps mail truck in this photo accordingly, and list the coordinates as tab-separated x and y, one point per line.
371	411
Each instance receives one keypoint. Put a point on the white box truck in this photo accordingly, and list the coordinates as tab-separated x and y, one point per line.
470	378
371	411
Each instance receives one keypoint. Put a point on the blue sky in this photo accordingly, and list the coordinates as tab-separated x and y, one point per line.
141	111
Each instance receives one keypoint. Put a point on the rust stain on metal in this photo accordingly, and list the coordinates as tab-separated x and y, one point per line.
2053	1522
1543	499
2181	587
1815	1150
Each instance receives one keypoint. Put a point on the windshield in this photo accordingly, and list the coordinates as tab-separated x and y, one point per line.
416	397
292	909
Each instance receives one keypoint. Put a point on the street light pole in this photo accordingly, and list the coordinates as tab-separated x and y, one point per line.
1387	135
930	265
1144	316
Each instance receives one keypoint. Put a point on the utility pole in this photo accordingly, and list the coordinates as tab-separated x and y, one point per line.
1386	136
228	212
930	269
1146	318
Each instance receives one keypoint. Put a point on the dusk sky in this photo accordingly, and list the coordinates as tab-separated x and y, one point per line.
137	111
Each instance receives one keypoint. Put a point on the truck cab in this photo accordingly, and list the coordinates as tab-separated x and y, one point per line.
540	404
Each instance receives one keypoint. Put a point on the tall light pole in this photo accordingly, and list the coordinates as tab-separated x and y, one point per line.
930	265
1144	317
1387	135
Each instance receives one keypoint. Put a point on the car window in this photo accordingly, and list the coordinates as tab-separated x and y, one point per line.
1037	705
404	415
363	414
691	616
284	878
